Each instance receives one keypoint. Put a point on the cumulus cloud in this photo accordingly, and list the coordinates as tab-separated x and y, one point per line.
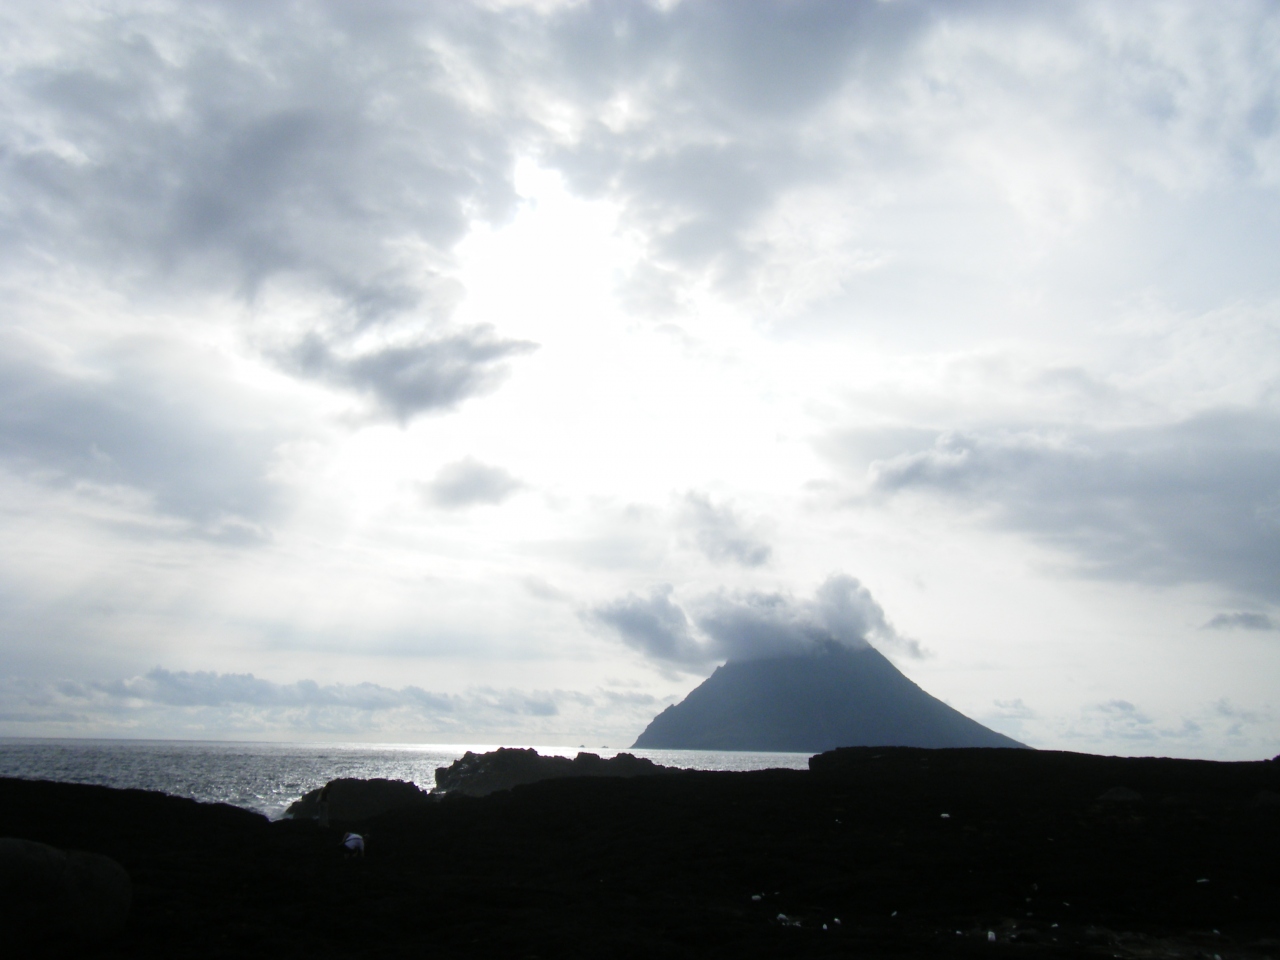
1193	501
468	482
751	625
721	534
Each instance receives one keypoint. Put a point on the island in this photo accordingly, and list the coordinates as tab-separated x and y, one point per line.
833	696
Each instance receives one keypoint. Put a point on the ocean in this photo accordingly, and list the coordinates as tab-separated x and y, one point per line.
267	777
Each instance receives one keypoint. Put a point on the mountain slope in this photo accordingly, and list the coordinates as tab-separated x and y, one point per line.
835	697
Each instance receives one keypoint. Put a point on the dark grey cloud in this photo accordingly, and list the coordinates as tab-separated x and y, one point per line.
721	534
468	482
249	142
346	149
1194	501
752	59
750	625
655	625
407	380
254	142
329	148
1241	620
134	422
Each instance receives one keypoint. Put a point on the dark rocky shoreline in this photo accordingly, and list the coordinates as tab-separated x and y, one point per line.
1052	854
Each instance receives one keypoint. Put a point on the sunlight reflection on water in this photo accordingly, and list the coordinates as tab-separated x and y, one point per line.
267	777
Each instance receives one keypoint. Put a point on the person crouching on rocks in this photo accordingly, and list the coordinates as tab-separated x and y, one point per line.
352	846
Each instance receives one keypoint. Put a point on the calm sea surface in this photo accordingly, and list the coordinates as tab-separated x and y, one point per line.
267	777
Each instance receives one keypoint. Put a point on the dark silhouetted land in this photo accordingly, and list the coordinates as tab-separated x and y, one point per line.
919	853
834	697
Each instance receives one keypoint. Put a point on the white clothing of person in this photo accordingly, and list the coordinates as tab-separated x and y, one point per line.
354	843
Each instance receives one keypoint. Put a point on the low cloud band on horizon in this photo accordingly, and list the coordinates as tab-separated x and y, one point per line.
212	703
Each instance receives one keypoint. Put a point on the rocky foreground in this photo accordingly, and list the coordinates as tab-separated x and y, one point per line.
878	852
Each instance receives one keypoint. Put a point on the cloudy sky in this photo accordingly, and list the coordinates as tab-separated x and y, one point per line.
490	372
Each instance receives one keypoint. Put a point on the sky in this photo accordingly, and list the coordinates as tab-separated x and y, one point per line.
490	372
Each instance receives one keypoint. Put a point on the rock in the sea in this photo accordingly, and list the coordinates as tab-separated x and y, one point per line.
477	775
350	799
61	896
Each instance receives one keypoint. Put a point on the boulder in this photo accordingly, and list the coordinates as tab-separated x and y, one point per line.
61	896
477	775
349	799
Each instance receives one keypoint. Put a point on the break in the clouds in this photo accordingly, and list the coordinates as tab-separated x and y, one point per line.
977	299
750	625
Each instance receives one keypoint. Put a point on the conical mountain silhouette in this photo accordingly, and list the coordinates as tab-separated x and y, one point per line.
834	697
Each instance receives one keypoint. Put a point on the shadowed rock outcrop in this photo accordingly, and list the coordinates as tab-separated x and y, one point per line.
477	775
60	896
352	799
709	865
834	697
